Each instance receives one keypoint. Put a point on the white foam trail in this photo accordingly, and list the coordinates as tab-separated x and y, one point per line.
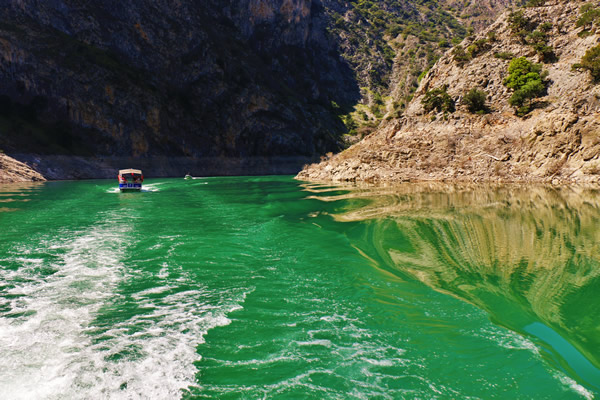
151	188
514	341
40	347
52	350
156	360
574	386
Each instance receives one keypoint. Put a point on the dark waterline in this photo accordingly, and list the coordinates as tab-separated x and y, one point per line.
264	287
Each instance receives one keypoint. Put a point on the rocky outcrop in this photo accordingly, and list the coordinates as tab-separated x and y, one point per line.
12	170
202	80
559	141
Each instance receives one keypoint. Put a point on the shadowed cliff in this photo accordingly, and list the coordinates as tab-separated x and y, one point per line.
178	78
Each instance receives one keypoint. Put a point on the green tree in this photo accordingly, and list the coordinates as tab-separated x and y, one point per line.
475	101
590	15
438	99
591	62
526	80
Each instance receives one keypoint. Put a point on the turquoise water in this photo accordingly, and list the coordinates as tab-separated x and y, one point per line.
265	287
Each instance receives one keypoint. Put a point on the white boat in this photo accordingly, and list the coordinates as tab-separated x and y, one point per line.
130	180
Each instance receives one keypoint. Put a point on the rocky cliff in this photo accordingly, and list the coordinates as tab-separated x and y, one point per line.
390	45
558	141
12	170
144	79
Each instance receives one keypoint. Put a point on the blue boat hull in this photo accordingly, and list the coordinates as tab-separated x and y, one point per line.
130	187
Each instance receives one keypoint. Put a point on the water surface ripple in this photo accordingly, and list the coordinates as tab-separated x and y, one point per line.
264	287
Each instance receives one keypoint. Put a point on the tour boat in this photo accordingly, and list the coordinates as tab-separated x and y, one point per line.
130	180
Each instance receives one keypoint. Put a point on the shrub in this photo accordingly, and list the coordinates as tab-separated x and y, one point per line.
504	55
519	24
443	43
591	62
589	16
535	3
478	47
475	100
460	55
546	27
539	41
526	80
438	99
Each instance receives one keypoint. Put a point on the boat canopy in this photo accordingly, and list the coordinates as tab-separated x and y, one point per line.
130	171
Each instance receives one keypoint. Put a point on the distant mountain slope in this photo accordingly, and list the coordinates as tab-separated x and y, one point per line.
558	140
391	44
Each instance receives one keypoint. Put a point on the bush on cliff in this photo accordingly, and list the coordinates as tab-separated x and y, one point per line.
589	16
526	79
475	101
538	39
591	62
438	99
535	3
519	24
461	57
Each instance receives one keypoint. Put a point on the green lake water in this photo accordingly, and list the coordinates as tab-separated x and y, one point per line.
265	287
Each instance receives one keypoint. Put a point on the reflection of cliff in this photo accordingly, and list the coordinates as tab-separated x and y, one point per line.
523	255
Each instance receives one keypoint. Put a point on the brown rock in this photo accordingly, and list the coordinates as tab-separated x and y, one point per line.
12	170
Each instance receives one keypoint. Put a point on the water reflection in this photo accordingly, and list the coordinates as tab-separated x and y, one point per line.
529	256
14	193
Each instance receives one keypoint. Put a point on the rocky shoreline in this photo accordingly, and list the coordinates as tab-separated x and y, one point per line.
32	167
545	148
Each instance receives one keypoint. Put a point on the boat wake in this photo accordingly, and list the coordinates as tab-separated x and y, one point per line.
63	332
145	189
53	294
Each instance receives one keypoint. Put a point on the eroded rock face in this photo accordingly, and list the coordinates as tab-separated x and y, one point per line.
558	142
169	77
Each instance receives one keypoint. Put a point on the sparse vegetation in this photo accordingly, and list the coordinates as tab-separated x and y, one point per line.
591	62
375	33
504	55
589	18
533	34
478	47
475	49
460	56
535	3
518	24
538	39
438	99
